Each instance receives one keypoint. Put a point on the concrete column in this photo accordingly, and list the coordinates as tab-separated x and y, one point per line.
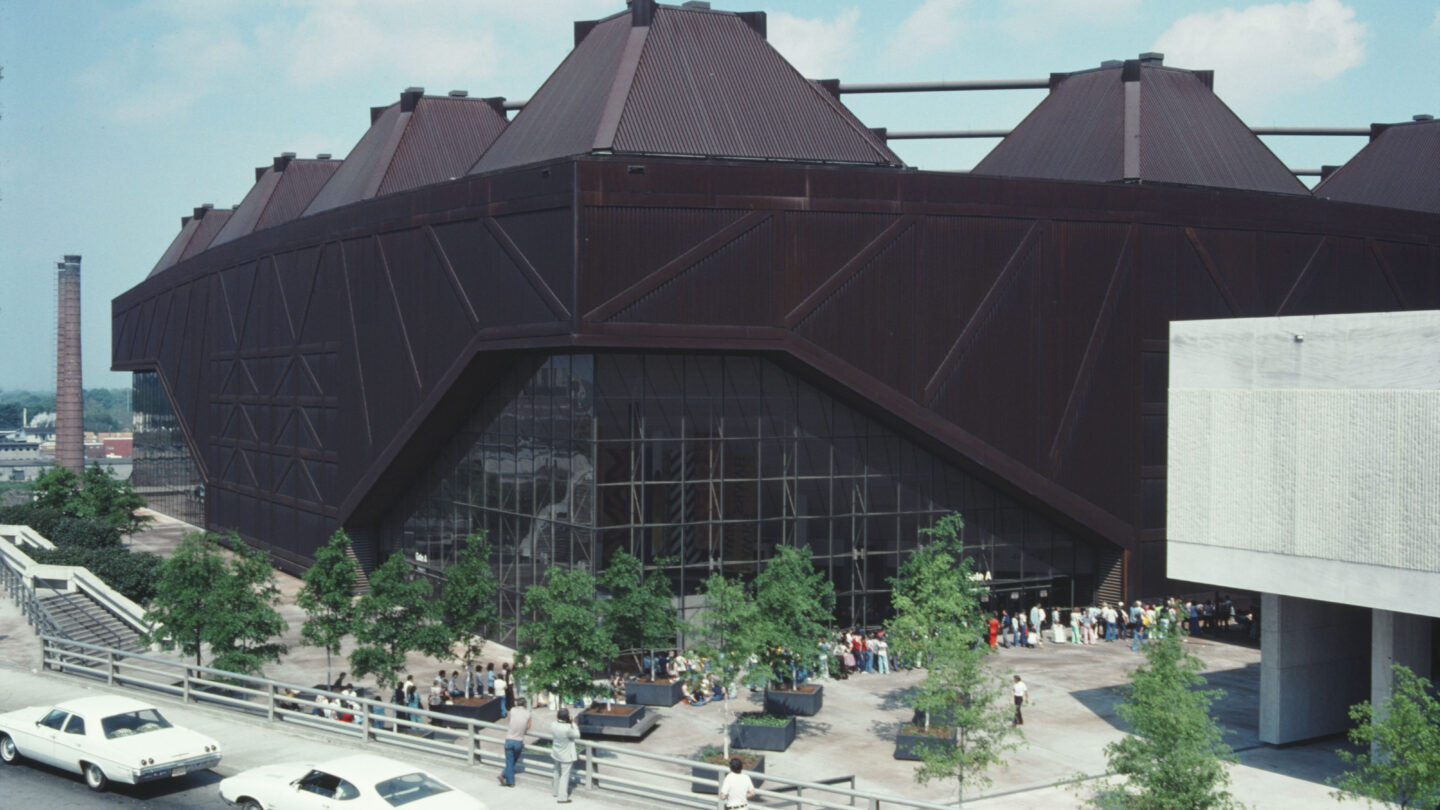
1396	638
1314	664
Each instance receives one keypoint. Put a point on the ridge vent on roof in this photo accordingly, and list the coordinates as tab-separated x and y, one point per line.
700	4
459	94
323	156
1112	63
1422	117
1152	58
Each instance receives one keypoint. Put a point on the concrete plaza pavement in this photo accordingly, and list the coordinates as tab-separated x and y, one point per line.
1069	722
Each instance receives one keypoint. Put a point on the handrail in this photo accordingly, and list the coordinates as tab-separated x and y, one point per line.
472	741
14	538
15	575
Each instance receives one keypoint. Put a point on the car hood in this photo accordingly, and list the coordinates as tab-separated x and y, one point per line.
28	716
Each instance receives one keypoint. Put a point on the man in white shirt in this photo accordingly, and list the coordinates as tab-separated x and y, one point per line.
1022	696
737	790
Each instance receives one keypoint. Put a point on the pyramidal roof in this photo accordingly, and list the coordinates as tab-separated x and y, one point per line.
196	233
1399	168
682	81
280	194
1139	121
417	141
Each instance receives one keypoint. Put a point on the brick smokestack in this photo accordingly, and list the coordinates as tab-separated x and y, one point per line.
69	392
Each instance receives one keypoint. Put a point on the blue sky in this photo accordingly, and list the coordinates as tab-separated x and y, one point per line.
117	118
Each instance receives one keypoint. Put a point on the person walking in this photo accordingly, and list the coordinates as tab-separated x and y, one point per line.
562	749
882	654
736	790
1022	696
515	742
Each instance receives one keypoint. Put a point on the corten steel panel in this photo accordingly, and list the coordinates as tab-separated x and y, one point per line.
1075	133
278	197
443	139
243	220
1400	168
1003	322
210	225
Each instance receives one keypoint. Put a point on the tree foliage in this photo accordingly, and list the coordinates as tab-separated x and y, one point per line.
728	637
1399	761
1174	756
796	605
202	599
328	597
89	544
468	603
640	613
568	647
937	624
97	495
397	617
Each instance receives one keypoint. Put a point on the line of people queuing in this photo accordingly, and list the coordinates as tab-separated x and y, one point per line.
1106	622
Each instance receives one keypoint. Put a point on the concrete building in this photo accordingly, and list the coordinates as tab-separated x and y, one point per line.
1304	463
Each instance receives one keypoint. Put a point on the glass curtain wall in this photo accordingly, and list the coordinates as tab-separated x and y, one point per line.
699	463
165	474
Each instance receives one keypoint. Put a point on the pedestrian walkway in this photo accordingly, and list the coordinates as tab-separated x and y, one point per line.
1069	720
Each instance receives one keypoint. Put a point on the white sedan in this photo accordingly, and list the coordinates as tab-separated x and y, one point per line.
357	782
106	738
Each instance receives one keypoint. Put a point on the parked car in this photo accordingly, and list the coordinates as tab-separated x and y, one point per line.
360	781
105	738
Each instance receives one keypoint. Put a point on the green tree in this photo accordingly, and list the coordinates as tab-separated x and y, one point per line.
328	597
468	603
727	634
397	617
110	501
640	613
1399	761
566	647
201	599
937	624
244	636
1174	756
795	606
59	489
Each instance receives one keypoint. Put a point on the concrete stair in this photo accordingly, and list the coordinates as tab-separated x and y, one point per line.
83	619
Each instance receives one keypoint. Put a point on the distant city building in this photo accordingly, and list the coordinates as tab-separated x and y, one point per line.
687	305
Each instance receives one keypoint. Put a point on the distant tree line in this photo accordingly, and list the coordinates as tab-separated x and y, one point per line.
107	410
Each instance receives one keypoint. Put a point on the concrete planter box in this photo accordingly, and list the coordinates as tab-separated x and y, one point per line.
619	721
907	746
763	738
707	781
486	709
803	701
663	692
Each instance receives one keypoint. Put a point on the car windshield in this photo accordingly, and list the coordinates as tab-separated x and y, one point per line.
409	788
139	722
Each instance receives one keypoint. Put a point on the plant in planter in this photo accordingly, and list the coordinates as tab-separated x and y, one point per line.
765	732
567	649
640	613
729	633
936	623
708	781
796	604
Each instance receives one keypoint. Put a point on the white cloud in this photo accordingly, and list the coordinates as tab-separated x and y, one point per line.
932	27
1267	50
817	47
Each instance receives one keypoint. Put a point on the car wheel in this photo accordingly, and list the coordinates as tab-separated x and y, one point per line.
250	804
94	777
9	754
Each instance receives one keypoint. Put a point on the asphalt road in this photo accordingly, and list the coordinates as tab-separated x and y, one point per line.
31	785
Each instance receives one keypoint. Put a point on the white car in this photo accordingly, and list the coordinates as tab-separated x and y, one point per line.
105	738
357	782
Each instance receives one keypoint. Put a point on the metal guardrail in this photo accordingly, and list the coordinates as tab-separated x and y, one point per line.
13	541
663	779
13	575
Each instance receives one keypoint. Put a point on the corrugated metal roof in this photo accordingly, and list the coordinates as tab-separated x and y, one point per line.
277	196
563	116
407	147
1184	134
196	234
444	138
1400	168
694	82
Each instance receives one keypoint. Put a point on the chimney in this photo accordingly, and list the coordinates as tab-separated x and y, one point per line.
69	389
280	163
642	13
410	98
1152	59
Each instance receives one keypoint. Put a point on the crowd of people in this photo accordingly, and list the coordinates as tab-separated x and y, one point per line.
1106	622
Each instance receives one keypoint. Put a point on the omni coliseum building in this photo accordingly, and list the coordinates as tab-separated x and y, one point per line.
687	305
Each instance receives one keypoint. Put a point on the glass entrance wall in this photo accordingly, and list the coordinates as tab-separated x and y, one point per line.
699	463
165	474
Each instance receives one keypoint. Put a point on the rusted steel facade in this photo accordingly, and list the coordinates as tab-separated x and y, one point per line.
1016	327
